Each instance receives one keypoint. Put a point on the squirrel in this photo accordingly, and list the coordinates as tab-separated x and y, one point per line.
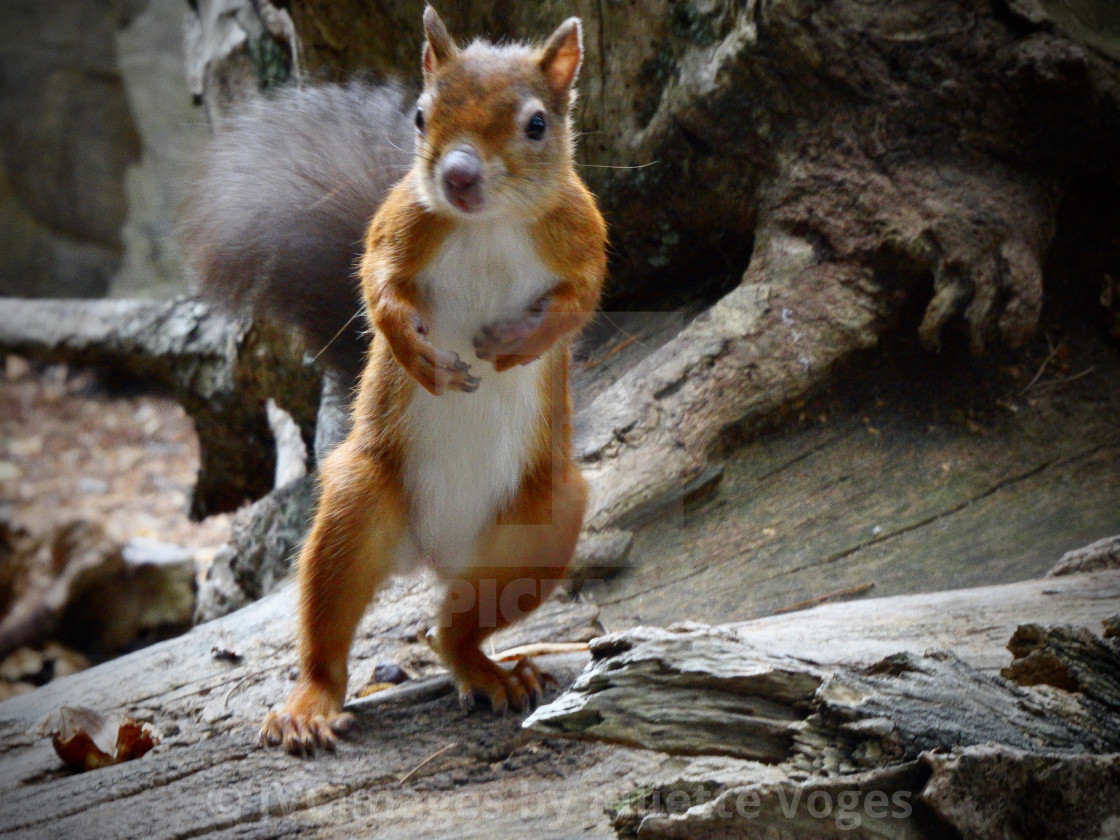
477	270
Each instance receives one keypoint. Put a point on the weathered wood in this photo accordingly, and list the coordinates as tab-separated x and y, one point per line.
705	123
1102	554
905	747
221	371
1069	658
914	475
975	624
265	541
648	437
723	802
107	596
974	793
713	691
986	792
846	167
209	778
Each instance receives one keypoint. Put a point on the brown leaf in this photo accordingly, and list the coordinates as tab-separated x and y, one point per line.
86	740
373	688
134	739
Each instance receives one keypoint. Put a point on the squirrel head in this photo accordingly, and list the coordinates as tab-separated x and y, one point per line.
493	123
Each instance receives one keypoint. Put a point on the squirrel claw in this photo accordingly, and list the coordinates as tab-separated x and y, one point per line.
465	381
449	372
519	689
300	734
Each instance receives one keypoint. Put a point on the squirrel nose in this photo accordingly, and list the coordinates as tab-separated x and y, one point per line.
462	176
461	168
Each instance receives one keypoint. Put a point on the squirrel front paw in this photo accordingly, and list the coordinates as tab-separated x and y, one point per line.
513	341
440	371
311	718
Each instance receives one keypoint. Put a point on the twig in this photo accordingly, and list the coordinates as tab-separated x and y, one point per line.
618	348
538	649
1042	368
1067	379
820	599
427	760
235	686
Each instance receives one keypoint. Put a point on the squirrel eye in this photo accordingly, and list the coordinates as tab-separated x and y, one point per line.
534	129
420	120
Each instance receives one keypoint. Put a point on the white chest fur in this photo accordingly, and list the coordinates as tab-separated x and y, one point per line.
466	452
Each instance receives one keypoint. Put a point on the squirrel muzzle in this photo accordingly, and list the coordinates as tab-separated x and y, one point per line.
460	174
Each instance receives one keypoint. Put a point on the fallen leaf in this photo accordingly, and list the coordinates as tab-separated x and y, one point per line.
373	688
86	740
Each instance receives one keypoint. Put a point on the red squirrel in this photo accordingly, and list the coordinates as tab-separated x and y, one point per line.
477	270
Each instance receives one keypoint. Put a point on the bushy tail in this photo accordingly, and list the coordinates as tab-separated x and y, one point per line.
274	225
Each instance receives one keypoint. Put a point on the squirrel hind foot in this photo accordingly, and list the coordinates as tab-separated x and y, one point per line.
520	689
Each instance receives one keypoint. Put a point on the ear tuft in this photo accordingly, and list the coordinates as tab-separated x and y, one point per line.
438	46
562	54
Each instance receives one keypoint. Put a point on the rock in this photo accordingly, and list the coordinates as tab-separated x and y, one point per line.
389	672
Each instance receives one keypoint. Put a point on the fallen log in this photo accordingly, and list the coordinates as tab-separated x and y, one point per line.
208	778
824	177
221	371
839	728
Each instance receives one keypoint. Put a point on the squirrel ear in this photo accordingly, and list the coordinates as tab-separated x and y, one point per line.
438	47
562	54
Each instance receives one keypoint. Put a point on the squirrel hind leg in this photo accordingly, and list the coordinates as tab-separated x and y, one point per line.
520	560
354	544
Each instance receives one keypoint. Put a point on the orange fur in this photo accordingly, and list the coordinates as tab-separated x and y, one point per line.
476	95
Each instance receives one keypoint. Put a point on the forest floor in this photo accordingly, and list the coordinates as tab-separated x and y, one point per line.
72	447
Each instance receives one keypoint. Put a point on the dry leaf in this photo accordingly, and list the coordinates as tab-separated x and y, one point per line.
87	740
373	688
